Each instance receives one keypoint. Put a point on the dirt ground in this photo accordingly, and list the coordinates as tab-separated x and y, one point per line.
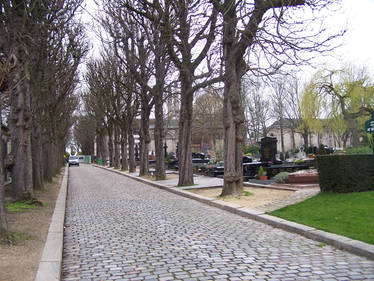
168	177
259	197
20	262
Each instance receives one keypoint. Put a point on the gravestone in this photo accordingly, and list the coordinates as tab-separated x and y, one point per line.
268	149
301	154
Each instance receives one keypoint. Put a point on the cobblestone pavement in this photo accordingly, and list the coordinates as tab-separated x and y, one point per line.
120	229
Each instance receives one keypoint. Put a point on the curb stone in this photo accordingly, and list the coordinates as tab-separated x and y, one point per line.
341	242
51	260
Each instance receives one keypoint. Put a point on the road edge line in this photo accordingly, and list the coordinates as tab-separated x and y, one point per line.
51	260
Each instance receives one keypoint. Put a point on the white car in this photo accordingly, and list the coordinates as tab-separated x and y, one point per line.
73	160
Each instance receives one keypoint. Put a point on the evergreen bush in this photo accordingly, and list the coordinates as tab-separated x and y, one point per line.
252	149
282	177
346	173
359	150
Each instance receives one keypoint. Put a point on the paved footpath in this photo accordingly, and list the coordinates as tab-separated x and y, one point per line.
120	229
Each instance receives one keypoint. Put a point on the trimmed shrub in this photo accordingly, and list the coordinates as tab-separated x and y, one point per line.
252	149
346	173
282	177
359	150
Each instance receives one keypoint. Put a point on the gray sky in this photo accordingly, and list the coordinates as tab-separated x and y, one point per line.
358	42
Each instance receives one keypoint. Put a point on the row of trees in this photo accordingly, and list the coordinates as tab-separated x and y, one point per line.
41	47
153	48
336	101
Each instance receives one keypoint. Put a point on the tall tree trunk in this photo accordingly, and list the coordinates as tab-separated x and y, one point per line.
105	149
233	127
20	121
37	156
3	219
132	161
124	142
352	123
46	147
110	145
185	127
345	138
305	135
52	159
282	134
117	143
99	145
233	113
159	135
144	142
293	138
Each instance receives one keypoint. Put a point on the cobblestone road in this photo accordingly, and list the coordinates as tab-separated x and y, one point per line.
120	229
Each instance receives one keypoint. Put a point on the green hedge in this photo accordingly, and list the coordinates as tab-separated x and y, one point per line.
346	173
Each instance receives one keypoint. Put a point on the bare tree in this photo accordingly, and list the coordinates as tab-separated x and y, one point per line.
293	115
139	44
266	30
257	109
45	45
5	66
208	117
98	101
190	34
84	133
278	100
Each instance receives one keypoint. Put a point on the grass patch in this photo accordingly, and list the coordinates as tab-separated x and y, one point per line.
13	238
22	206
347	214
247	193
244	193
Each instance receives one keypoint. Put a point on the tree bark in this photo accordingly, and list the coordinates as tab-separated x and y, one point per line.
20	122
185	130
233	113
117	143
124	147
99	145
132	161
233	127
282	133
144	142
159	136
293	138
3	218
37	156
352	123
110	145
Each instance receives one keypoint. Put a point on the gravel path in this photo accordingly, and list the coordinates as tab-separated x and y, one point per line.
120	229
296	197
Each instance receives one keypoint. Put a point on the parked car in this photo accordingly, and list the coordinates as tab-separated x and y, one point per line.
73	160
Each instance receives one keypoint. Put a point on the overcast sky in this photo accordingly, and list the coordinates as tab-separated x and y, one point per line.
358	42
